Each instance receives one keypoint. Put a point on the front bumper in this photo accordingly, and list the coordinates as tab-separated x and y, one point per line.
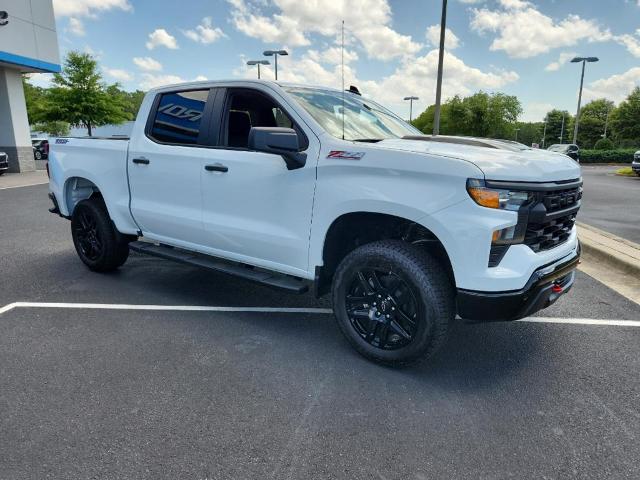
545	286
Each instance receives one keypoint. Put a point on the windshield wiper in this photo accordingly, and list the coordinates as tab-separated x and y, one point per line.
368	140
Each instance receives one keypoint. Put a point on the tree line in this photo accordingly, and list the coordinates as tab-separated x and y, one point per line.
78	97
495	115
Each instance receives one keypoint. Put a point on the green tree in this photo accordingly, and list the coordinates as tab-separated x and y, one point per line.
555	130
625	120
593	118
480	115
55	129
530	132
79	97
35	98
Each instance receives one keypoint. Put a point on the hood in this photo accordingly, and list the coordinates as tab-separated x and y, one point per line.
498	160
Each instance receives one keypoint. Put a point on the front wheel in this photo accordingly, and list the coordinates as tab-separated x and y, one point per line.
38	155
98	244
393	302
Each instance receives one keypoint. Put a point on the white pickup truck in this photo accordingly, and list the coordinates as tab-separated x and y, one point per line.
296	186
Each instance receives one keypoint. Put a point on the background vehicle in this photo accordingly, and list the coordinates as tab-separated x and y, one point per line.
40	148
635	165
4	163
570	149
294	186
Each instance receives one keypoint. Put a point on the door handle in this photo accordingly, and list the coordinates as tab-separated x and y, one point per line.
216	168
142	161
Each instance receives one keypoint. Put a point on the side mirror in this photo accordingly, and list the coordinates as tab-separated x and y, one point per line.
279	141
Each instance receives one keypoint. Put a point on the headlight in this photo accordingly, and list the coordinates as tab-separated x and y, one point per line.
497	198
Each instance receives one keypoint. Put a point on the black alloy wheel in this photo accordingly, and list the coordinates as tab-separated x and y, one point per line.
382	309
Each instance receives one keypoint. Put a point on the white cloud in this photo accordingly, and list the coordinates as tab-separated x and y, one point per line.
451	41
76	27
118	74
563	58
616	87
161	38
148	64
205	32
40	79
413	76
150	80
535	111
366	21
333	56
522	31
632	43
477	1
87	8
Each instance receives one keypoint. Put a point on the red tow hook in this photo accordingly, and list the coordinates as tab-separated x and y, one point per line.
556	289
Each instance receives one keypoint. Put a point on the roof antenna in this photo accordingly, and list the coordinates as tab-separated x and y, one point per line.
342	61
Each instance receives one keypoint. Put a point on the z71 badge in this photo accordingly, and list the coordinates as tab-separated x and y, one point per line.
342	155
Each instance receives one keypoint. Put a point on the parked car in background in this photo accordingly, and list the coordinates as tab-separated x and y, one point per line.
40	148
4	162
635	165
570	149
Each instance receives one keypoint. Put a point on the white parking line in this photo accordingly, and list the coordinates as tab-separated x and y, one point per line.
20	186
202	308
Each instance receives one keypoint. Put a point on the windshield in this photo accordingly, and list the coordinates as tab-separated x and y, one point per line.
364	120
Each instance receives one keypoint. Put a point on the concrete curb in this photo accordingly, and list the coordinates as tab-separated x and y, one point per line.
611	250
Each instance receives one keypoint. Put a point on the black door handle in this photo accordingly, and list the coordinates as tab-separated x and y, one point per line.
216	168
143	161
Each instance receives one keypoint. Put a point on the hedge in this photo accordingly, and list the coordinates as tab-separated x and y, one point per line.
619	155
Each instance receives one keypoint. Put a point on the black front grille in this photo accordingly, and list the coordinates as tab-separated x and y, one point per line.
551	220
547	235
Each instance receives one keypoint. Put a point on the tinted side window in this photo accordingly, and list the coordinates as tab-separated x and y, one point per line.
178	117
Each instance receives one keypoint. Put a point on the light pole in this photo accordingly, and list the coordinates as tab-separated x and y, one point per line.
517	130
606	123
562	129
258	63
411	99
275	53
544	132
584	60
443	27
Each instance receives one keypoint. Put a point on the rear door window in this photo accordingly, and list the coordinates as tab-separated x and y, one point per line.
179	116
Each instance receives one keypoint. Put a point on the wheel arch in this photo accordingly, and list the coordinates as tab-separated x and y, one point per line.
77	189
353	229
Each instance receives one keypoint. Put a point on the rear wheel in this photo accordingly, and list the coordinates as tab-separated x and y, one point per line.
393	302
99	245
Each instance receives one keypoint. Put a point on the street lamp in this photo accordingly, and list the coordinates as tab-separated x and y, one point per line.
258	63
275	53
584	60
517	130
411	99
443	27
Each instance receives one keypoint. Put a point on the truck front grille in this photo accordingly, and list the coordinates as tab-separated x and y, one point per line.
551	220
547	235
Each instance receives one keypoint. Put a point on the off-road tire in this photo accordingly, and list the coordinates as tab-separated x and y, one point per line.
112	247
433	295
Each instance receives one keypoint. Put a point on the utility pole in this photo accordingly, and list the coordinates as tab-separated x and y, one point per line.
443	28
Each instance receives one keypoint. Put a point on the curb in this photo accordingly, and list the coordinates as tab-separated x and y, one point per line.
614	251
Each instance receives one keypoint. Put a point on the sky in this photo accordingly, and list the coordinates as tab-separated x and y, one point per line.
518	47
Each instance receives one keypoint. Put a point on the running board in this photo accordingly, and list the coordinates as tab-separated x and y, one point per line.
272	279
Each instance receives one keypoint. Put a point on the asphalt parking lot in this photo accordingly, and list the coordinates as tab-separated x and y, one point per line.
611	201
104	392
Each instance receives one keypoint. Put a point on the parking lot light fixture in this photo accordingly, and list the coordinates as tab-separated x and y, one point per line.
258	63
411	99
275	53
584	61
443	29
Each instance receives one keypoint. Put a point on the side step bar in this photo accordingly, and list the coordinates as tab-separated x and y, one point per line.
272	279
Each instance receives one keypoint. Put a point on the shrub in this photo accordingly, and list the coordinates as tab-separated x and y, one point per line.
603	144
619	155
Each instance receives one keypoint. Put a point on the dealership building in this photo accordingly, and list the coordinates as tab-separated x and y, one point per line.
28	43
